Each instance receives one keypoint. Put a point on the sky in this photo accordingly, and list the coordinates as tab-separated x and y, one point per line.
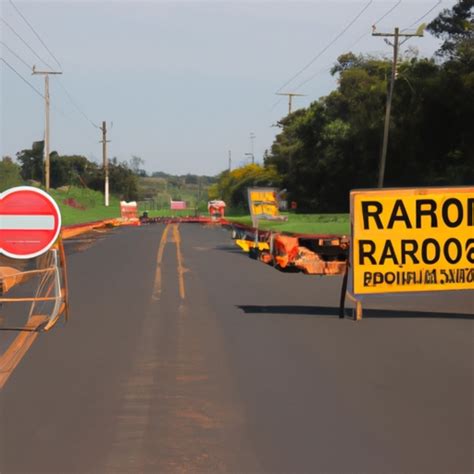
181	83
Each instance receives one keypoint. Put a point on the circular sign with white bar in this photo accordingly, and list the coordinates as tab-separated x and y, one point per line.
30	222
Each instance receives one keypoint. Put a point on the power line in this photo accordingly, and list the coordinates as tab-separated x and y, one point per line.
43	61
22	78
417	21
310	78
36	34
56	109
33	87
26	44
327	46
353	44
73	102
317	73
16	55
364	35
387	13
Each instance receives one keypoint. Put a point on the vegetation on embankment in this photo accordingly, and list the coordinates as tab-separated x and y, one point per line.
67	170
156	191
80	205
322	151
333	145
337	224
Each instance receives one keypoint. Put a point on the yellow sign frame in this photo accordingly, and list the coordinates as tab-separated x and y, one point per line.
263	204
412	239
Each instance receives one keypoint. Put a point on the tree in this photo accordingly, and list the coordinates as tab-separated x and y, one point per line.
456	28
9	174
136	164
31	161
333	146
71	170
232	185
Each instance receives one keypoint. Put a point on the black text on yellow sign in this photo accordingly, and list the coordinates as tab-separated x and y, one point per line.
412	240
263	202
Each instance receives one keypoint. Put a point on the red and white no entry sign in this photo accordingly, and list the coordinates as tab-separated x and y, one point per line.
30	222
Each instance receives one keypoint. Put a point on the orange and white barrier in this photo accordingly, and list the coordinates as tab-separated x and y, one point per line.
129	213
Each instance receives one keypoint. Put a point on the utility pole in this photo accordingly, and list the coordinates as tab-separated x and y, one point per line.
252	139
290	103
290	98
396	44
105	162
230	161
46	124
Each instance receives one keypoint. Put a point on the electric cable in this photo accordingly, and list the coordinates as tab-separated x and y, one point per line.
15	54
36	34
26	44
327	46
424	16
22	78
387	13
73	102
353	44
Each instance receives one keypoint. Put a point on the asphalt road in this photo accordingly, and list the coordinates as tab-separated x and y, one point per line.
182	355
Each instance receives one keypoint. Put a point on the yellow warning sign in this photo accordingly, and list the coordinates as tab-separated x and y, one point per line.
263	204
412	239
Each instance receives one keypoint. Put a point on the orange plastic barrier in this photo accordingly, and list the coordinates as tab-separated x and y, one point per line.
286	250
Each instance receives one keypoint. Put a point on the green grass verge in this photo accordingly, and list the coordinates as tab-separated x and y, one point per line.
94	210
338	224
92	201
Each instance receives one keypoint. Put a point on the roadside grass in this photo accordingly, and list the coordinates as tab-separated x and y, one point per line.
156	192
90	207
91	201
337	224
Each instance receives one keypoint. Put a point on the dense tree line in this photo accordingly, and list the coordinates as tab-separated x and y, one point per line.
184	179
333	146
79	171
9	174
232	186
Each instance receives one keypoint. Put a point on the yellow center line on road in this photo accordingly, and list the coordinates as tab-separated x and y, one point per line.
157	283
141	391
179	258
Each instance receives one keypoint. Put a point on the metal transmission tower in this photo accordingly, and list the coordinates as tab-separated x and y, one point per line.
105	162
46	125
396	35
290	98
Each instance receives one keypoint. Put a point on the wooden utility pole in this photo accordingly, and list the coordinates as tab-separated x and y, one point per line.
396	44
46	124
230	161
105	162
290	98
290	103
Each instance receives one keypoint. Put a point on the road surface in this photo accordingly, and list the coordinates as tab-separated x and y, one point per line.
182	355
